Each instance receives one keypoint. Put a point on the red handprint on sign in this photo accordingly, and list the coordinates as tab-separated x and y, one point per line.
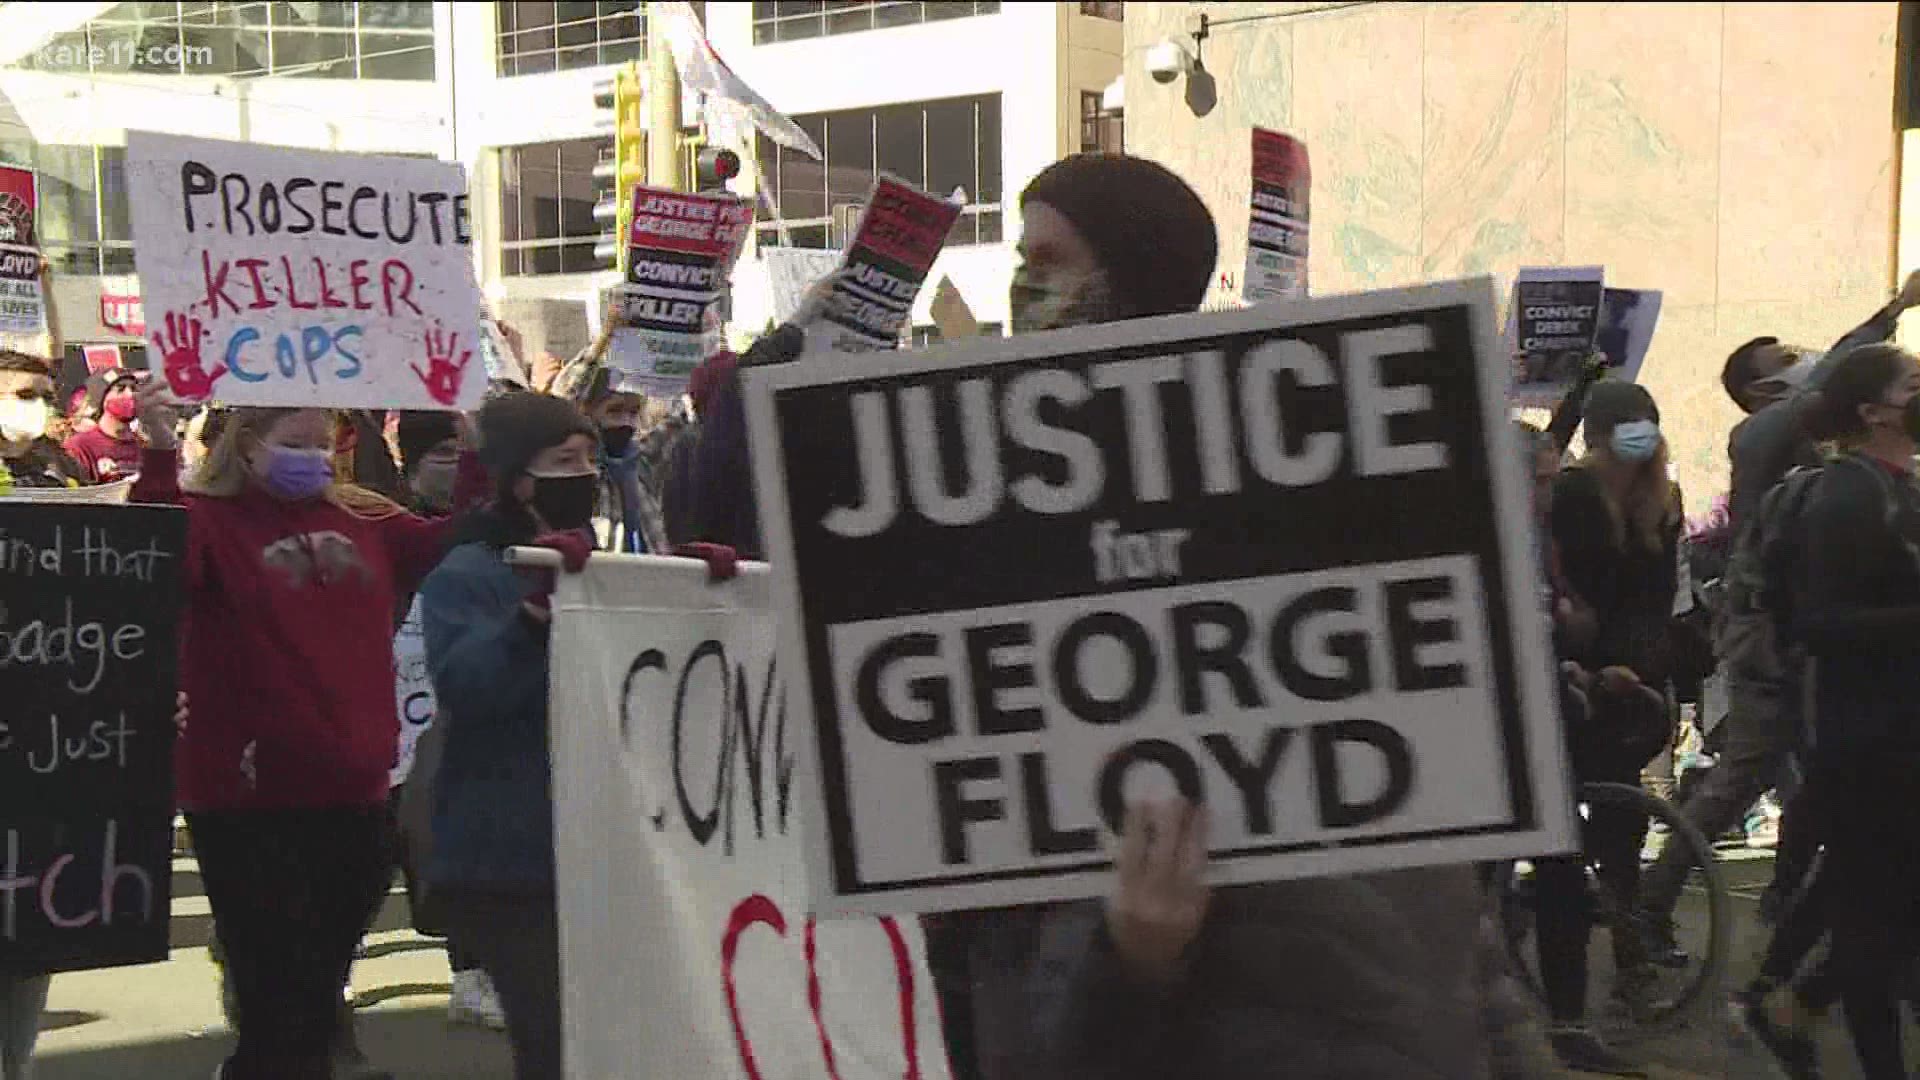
444	374
179	350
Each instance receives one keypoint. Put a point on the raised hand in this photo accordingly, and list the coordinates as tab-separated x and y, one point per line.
1160	899
179	350
443	373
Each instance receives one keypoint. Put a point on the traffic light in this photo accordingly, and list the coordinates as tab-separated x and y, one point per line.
713	168
616	174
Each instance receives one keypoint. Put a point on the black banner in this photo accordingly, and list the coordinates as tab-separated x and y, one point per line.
88	618
1279	560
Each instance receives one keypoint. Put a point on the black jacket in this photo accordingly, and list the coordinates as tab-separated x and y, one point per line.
1857	608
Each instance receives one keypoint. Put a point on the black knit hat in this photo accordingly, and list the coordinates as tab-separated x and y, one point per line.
1150	231
420	431
1613	402
517	426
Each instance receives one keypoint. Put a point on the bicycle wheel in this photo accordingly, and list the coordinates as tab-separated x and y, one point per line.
1645	999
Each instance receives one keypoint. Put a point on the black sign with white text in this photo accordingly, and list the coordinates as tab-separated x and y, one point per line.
89	603
1275	560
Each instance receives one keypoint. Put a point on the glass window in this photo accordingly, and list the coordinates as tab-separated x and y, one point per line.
332	39
1115	11
937	145
547	195
115	225
1100	130
535	38
797	21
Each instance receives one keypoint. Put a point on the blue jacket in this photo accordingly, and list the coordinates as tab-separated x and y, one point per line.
493	797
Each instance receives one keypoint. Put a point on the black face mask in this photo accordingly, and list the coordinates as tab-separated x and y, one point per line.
565	502
616	440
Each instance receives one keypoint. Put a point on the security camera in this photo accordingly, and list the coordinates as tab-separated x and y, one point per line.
1168	60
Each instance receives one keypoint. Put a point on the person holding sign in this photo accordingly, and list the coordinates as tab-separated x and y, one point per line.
1384	975
486	633
291	586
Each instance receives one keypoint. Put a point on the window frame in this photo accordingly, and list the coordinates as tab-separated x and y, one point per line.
981	221
520	255
771	26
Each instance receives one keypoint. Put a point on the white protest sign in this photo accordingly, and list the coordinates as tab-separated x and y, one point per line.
1277	230
274	276
23	303
684	922
1276	558
870	304
791	271
413	691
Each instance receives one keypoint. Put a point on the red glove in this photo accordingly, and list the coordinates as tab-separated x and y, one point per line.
722	563
574	548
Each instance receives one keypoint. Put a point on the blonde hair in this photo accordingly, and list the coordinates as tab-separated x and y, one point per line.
1650	504
223	473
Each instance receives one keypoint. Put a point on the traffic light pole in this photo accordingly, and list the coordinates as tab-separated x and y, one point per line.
663	106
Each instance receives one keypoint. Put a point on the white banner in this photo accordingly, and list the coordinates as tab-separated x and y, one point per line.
684	926
303	278
412	689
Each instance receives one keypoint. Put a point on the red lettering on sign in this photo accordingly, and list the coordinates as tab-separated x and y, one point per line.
758	909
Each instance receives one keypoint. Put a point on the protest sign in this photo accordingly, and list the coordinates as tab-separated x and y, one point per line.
677	836
871	302
305	278
680	251
23	307
1551	324
101	358
1277	233
87	667
1627	321
791	271
1280	557
412	691
123	313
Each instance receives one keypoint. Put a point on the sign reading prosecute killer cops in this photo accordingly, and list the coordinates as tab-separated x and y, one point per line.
274	276
1274	559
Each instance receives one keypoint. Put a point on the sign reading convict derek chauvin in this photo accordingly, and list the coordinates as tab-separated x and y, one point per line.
1275	559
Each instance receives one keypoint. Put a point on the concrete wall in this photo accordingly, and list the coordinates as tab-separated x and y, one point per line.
1740	157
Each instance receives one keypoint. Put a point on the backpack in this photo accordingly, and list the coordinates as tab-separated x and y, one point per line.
1770	555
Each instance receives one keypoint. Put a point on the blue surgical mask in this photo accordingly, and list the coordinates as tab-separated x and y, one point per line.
1636	441
296	475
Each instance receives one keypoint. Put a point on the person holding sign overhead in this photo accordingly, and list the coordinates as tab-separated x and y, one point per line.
291	582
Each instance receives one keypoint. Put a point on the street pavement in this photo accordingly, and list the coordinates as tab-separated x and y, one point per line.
163	1021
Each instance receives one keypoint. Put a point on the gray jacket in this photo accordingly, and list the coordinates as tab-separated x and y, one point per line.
1767	445
1388	976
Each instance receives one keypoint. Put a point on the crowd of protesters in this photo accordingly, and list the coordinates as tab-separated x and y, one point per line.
313	535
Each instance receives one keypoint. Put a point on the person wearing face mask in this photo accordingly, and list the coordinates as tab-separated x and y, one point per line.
1168	977
290	584
110	449
27	457
1615	524
1855	608
627	515
491	864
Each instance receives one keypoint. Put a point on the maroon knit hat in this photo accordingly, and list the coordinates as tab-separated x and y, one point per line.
709	377
1150	231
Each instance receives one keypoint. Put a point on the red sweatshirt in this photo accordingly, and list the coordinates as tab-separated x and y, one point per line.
286	645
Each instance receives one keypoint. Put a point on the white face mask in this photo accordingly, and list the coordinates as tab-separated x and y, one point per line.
23	419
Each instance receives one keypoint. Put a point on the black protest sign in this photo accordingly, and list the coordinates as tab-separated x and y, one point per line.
1556	313
87	667
900	235
1275	559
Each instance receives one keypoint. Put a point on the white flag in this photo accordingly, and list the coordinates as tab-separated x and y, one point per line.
702	70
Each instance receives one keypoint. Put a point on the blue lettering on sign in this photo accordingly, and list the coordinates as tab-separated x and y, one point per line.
234	344
352	367
300	352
